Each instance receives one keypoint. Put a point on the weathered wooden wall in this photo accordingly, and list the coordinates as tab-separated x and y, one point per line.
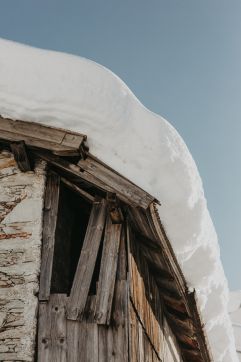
21	197
151	339
135	330
87	340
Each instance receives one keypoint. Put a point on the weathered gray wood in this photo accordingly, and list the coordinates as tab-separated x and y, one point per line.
118	183
120	303
91	178
52	333
87	260
49	226
72	170
82	340
89	311
113	344
44	333
122	258
108	268
59	141
78	190
75	340
102	343
114	209
20	155
113	339
91	343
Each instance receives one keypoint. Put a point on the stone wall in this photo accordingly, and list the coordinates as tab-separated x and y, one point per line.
21	199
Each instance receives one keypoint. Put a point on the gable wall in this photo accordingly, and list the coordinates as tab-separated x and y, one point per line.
21	199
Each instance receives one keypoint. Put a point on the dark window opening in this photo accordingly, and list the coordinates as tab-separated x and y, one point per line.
72	221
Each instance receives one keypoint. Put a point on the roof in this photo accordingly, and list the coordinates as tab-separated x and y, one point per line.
74	93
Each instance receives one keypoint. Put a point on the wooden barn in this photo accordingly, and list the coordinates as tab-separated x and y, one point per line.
106	285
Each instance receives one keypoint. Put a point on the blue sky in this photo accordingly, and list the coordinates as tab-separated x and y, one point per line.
182	59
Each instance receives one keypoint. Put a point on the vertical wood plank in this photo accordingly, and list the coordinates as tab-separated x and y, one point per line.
82	341
49	227
74	337
108	269
118	327
146	305
52	337
92	353
102	343
121	273
141	343
82	337
44	329
87	260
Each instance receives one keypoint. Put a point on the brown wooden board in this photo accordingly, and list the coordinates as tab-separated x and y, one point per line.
145	298
78	190
93	179
76	337
49	227
122	257
107	275
141	347
72	170
116	182
113	339
87	260
59	141
119	316
52	335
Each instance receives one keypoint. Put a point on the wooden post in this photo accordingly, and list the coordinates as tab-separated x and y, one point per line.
20	155
52	334
49	227
87	260
108	268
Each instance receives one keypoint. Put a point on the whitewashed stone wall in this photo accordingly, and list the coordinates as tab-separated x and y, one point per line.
21	201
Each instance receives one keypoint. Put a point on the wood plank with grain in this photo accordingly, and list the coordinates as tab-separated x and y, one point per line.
108	269
75	339
39	143
118	183
87	260
78	190
52	333
92	178
58	140
71	170
51	202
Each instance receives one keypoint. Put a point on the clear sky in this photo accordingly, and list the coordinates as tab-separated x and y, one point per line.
182	59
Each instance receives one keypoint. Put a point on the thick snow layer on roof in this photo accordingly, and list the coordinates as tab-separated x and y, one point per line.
234	308
78	94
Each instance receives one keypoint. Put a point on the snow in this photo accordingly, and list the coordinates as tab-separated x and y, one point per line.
234	308
75	93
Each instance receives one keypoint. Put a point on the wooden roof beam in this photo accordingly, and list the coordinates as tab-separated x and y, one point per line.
120	185
85	268
78	190
59	141
94	179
